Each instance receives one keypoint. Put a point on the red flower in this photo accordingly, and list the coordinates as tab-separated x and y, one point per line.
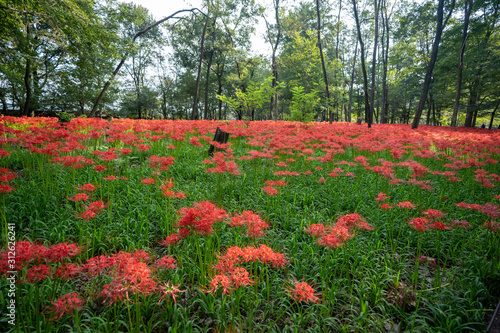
66	305
148	181
303	292
385	206
381	197
240	277
87	187
79	197
6	188
270	190
168	289
315	230
166	262
405	205
110	177
99	168
224	281
37	273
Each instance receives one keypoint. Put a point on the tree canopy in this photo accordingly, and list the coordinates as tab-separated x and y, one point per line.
325	60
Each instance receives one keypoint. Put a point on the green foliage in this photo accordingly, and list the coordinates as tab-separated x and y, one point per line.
303	105
252	99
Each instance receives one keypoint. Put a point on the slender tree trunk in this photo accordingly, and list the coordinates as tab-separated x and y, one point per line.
207	111
117	69
4	102
325	79
376	3
385	58
468	9
363	67
338	32
493	115
194	114
430	67
274	46
27	73
348	115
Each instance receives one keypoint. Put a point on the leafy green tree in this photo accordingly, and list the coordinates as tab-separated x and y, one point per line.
303	105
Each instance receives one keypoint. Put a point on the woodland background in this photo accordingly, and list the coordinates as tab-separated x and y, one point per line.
332	60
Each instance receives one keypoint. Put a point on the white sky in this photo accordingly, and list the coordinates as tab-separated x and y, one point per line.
163	8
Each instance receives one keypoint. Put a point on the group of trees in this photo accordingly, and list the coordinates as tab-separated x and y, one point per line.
433	62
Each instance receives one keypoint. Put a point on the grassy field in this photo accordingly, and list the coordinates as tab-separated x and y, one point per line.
130	226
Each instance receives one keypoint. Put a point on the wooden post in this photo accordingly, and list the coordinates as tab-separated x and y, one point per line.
220	137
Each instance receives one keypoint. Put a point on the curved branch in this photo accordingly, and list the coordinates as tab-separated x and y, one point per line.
117	69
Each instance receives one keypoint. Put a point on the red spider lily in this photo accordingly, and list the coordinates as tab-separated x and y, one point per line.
110	178
315	230
460	224
6	188
4	153
79	197
170	147
37	273
236	255
195	141
66	305
87	187
255	225
96	206
201	217
148	181
143	147
419	223
492	225
353	221
86	215
99	168
322	180
224	281
275	182
303	292
168	289
171	240
286	173
385	206
126	151
405	205
222	164
67	271
381	197
60	251
434	214
166	262
240	277
271	191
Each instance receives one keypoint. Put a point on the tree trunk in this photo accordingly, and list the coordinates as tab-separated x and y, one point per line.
468	9
274	46
194	114
493	115
4	102
430	67
348	115
363	67
325	79
385	60
374	58
207	111
27	73
117	69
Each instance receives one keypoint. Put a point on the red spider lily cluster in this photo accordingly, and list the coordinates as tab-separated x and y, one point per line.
195	220
338	234
303	292
239	277
270	189
6	176
223	163
91	209
255	226
40	261
65	305
168	193
236	255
